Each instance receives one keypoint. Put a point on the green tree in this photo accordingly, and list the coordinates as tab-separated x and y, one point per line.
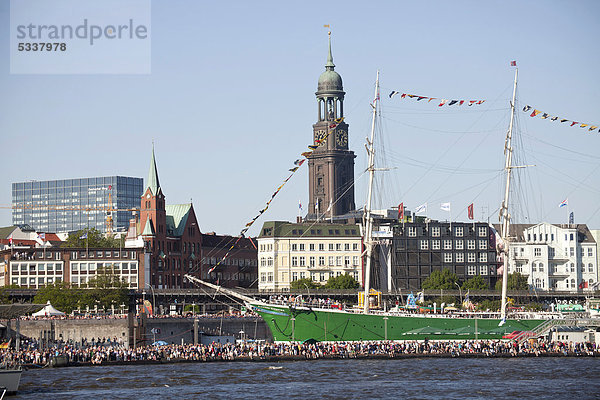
341	282
94	239
516	281
106	289
492	305
301	284
444	279
475	283
60	295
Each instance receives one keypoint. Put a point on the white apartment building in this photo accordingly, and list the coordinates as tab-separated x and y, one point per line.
288	252
554	257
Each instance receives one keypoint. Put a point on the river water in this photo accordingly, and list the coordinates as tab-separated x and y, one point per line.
424	378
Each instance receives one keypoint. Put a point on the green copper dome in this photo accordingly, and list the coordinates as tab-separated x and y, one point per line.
329	80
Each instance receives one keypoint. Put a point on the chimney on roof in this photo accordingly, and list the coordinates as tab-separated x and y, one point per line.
298	219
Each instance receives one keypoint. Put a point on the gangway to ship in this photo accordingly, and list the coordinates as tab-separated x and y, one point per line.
545	327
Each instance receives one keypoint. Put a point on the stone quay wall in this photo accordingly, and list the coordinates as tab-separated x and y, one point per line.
142	331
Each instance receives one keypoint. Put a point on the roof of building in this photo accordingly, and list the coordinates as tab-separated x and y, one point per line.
518	231
148	228
307	230
222	241
177	215
153	183
330	80
6	231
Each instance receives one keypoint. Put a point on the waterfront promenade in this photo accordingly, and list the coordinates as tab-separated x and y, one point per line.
115	354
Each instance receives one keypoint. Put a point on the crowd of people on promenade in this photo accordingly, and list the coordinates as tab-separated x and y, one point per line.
225	315
111	352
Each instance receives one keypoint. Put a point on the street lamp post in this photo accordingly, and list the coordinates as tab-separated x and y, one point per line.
459	291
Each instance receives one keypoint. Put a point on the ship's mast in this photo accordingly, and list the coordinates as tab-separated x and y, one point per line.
504	214
368	219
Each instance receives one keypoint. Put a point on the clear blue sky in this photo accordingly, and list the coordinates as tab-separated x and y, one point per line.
230	102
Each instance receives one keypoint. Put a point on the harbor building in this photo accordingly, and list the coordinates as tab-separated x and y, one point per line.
170	234
240	267
421	247
31	267
331	164
554	257
318	251
69	205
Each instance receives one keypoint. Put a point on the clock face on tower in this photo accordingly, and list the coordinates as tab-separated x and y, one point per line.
341	138
320	137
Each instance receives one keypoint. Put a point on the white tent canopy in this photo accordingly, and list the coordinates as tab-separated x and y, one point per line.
47	311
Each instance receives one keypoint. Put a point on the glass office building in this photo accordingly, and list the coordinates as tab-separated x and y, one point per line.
71	204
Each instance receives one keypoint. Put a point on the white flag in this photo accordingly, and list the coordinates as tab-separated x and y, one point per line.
421	208
330	204
445	206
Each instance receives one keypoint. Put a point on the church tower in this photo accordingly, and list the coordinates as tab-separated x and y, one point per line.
331	165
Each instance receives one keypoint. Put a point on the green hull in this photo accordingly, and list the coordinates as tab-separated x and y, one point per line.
300	324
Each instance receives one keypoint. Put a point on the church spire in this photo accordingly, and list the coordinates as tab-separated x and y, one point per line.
153	183
329	65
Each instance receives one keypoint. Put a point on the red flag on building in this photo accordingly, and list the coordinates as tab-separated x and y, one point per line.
470	211
401	212
513	63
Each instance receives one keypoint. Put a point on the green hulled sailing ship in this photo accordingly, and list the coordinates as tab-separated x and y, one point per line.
300	322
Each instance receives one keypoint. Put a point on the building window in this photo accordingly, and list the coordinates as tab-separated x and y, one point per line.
312	261
321	261
331	247
537	252
435	231
313	276
447	244
590	267
541	267
590	252
302	275
338	247
459	231
412	231
482	231
356	261
294	276
470	257
447	257
572	267
346	261
311	247
269	261
483	270
301	246
460	257
346	246
321	246
471	244
533	267
338	261
482	257
263	277
482	244
471	270
435	244
330	261
269	276
354	246
294	246
302	261
572	251
294	261
459	244
424	244
322	276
